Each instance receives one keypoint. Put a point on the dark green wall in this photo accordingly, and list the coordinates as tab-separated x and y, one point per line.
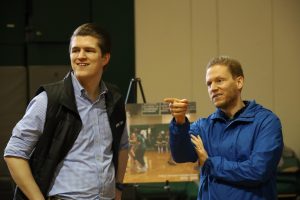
36	32
34	40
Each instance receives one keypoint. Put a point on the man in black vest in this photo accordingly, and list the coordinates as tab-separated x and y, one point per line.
72	142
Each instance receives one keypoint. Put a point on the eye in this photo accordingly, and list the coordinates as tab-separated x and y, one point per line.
75	50
208	84
219	81
90	50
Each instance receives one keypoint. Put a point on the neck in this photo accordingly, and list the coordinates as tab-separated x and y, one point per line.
92	88
231	111
93	93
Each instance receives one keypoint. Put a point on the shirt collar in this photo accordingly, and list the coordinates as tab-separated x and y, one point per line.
80	91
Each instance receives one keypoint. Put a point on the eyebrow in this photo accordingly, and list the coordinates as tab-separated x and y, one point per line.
89	48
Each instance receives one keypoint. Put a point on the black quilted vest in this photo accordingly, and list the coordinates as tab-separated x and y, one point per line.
62	127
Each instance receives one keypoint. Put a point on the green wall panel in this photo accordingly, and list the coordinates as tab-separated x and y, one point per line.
48	25
12	55
54	20
48	54
12	22
118	19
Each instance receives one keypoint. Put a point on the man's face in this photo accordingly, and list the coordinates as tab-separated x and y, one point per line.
86	58
223	89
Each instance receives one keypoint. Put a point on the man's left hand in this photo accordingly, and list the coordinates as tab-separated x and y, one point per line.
199	147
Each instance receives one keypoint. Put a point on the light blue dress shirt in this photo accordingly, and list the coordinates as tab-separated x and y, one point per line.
87	172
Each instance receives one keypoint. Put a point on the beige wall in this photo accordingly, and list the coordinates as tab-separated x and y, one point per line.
176	38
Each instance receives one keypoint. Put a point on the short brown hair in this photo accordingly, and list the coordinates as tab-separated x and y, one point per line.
233	65
91	29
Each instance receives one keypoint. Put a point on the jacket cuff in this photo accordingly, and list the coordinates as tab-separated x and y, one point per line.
179	128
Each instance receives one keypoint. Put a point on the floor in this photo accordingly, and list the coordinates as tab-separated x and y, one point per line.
160	169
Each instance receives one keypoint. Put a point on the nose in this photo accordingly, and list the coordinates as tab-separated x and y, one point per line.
213	86
81	54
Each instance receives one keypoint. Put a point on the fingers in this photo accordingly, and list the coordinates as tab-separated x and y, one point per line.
171	100
200	150
197	142
178	108
175	100
184	101
200	140
194	141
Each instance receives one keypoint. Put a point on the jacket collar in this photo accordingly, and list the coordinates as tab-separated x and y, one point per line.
111	98
68	97
247	115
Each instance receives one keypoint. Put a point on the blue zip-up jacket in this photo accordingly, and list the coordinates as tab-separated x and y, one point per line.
243	153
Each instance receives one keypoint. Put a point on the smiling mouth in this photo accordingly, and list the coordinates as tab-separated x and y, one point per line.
82	64
216	96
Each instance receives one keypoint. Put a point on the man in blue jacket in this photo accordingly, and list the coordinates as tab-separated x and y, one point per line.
238	146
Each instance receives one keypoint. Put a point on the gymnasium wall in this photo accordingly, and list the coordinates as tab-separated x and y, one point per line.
175	39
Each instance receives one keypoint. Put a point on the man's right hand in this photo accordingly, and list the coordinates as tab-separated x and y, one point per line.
178	108
21	173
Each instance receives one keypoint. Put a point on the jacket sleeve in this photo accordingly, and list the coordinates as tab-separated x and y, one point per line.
182	149
261	164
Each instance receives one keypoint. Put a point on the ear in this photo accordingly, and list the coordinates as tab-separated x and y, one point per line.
106	58
239	82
